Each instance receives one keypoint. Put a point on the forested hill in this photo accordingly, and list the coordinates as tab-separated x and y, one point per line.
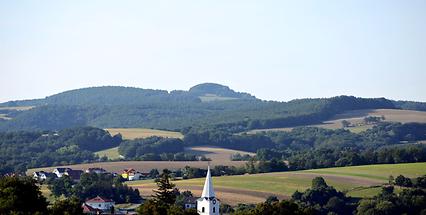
114	95
204	105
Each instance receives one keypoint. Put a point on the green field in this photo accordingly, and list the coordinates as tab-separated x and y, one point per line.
357	181
111	153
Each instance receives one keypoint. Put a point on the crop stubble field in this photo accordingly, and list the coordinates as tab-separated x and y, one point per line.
133	133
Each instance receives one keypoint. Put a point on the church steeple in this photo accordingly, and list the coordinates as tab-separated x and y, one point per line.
208	190
208	204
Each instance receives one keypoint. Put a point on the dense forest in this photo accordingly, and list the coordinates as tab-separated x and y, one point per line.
179	110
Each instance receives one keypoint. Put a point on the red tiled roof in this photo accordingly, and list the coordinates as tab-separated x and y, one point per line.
129	170
99	199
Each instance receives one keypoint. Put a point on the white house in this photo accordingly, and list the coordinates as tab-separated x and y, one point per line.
42	175
208	204
59	172
101	203
135	176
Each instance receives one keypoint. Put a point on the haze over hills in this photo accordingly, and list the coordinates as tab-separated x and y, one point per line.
203	105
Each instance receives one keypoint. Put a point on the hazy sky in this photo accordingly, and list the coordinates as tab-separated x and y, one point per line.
276	50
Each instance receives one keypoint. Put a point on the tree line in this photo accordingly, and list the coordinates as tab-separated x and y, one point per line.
24	149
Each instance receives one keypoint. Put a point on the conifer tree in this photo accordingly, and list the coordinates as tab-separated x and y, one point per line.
165	193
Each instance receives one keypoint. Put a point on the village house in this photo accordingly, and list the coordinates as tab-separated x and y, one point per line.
87	209
59	172
42	175
96	170
131	174
99	203
74	174
190	202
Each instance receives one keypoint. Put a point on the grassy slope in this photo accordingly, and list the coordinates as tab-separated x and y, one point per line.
356	117
285	183
111	153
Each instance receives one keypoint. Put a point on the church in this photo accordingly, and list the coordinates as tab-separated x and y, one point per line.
208	203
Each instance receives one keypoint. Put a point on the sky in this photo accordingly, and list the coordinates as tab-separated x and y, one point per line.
275	50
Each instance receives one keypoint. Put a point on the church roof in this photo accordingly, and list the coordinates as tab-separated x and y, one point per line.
208	190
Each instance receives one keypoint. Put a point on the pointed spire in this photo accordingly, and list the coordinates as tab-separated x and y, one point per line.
208	186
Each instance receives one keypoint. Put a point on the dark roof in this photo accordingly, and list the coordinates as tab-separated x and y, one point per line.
99	199
190	200
47	174
129	170
96	169
62	170
75	174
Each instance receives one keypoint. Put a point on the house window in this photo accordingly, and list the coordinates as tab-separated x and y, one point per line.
202	210
214	209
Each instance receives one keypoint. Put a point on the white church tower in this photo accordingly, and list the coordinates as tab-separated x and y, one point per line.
208	204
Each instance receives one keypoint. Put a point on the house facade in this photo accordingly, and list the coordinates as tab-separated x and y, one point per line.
59	172
101	203
131	174
42	175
